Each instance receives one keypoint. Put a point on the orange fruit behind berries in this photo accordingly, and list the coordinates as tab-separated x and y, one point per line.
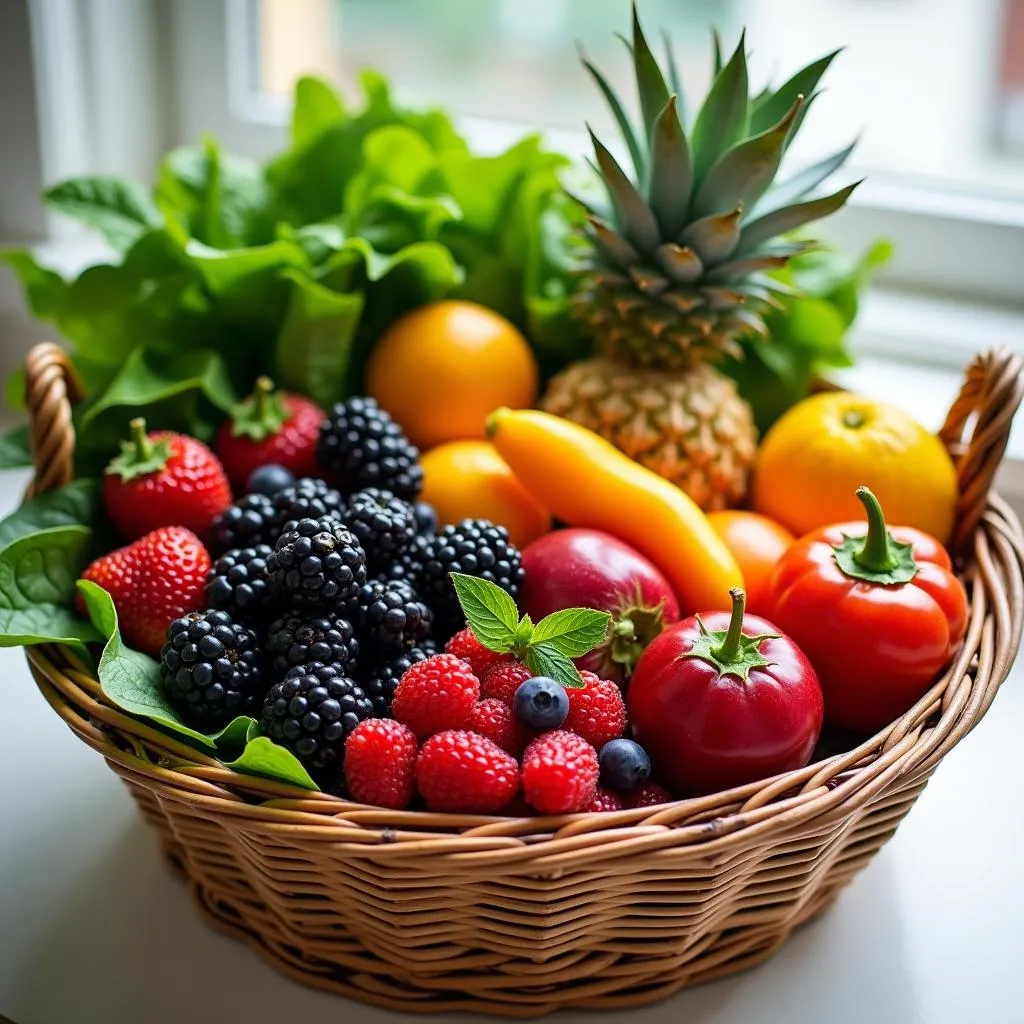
441	369
469	479
816	456
757	543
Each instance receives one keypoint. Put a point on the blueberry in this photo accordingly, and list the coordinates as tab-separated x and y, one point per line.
269	480
624	765
426	518
540	703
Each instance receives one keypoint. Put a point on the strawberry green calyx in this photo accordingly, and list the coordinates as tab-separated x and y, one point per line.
261	415
877	557
140	455
731	651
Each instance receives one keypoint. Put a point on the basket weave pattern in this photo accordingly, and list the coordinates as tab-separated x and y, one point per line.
519	917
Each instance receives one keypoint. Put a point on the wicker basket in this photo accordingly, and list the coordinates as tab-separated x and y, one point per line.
519	917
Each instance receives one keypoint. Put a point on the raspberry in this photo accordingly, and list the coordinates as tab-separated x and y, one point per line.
503	680
596	712
380	763
650	794
465	645
605	800
436	694
559	773
494	719
464	773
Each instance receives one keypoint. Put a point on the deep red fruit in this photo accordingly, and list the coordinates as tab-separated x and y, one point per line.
722	700
465	645
164	479
494	719
503	680
153	581
270	427
605	800
650	794
463	773
559	773
590	569
597	711
380	763
436	694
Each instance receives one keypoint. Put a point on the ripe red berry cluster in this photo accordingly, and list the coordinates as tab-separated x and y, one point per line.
457	742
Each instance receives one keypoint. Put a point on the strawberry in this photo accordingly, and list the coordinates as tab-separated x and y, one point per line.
153	581
164	479
270	427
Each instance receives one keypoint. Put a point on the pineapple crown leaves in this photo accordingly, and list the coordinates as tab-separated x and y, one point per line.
704	204
546	648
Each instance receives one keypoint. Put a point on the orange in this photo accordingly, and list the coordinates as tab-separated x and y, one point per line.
757	543
816	456
441	369
469	479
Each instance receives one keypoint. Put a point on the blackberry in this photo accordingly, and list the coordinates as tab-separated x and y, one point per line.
426	518
307	499
298	640
250	521
409	564
361	446
475	547
379	678
312	714
210	668
384	525
240	584
390	615
317	563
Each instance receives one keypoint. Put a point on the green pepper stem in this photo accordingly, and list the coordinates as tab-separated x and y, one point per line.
143	445
730	648
875	555
264	392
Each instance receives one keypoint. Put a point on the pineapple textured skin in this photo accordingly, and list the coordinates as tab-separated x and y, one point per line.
691	428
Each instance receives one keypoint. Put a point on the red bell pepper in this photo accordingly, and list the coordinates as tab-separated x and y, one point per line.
721	700
877	610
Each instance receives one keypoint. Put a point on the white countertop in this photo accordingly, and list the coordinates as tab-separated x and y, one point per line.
94	928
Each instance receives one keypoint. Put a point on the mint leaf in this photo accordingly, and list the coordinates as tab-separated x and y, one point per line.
262	756
489	610
573	631
545	660
73	505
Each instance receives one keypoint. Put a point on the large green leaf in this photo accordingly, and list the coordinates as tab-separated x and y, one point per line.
15	449
45	289
120	210
37	582
75	504
772	106
317	107
219	199
315	346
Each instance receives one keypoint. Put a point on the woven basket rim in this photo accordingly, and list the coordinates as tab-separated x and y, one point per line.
988	538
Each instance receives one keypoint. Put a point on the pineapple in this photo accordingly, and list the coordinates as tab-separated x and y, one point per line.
675	270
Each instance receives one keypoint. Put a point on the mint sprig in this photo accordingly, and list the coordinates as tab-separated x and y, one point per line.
546	648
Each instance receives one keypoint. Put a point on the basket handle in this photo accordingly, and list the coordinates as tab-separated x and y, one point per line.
51	386
976	433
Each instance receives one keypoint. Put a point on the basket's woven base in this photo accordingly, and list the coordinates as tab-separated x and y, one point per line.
327	918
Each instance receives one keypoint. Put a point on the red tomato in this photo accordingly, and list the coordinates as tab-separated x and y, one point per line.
878	612
717	707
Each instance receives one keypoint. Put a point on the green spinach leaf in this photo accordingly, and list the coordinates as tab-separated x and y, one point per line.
76	504
262	756
15	449
120	210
